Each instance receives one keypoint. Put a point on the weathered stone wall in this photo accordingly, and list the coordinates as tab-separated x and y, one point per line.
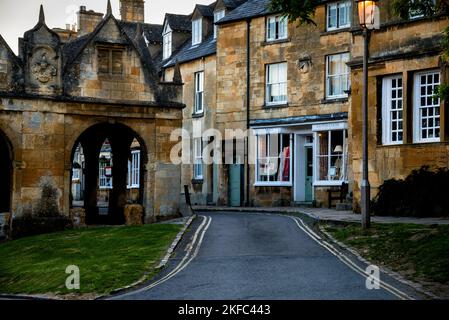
201	192
399	48
43	134
306	87
88	21
130	86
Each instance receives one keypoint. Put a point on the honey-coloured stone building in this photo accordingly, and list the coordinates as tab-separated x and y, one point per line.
82	89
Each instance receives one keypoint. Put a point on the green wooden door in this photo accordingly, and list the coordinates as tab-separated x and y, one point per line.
235	184
309	175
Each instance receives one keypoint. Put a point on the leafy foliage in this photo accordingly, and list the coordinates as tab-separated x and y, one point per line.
302	10
423	193
402	8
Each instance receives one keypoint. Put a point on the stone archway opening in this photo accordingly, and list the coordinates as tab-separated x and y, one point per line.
5	174
107	172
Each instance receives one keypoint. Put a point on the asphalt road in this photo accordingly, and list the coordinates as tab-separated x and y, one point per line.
246	256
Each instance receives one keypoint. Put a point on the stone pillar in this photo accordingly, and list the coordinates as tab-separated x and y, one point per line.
91	153
121	151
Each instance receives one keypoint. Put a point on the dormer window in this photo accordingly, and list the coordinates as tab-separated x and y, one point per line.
196	31
218	15
110	61
167	42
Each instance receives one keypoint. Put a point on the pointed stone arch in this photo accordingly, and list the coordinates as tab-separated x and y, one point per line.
121	138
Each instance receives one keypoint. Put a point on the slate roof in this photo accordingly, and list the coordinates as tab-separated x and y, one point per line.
232	4
250	9
179	22
71	49
153	32
188	52
206	10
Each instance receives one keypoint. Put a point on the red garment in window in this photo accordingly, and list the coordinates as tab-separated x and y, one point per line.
286	172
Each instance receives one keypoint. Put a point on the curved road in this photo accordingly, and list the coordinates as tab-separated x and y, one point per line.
251	256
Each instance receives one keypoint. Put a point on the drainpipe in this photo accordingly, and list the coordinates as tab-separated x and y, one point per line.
248	100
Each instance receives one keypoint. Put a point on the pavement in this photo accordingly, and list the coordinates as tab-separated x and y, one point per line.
232	256
324	214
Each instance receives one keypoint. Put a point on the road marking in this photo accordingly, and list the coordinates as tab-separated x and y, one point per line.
183	264
347	261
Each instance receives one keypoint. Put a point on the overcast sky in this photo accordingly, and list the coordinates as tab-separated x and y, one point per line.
18	16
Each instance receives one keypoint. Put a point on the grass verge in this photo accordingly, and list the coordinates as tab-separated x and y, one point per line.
418	252
108	258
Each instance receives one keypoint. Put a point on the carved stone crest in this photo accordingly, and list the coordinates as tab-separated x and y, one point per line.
305	63
43	70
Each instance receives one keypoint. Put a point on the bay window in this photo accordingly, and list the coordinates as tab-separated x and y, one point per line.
274	162
276	84
332	156
392	110
426	107
339	15
277	28
337	76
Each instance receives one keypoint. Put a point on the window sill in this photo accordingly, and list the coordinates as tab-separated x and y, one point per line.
198	115
270	42
335	31
273	184
276	106
329	183
335	100
197	181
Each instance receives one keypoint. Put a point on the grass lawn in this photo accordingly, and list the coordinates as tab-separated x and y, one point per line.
108	258
419	252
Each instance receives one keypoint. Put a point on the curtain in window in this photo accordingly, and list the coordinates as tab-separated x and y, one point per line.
323	158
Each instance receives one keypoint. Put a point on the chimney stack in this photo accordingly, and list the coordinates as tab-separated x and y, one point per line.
88	21
132	10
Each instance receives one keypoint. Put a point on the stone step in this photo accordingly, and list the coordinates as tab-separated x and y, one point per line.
303	204
344	207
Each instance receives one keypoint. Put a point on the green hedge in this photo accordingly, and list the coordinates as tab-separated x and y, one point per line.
424	193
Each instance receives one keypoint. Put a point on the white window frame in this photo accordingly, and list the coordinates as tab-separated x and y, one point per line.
197	26
282	83
392	109
218	15
167	43
134	170
345	155
418	108
268	136
280	25
199	93
198	159
337	6
341	75
102	178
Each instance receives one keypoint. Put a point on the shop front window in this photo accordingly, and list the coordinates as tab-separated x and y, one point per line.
274	159
332	156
